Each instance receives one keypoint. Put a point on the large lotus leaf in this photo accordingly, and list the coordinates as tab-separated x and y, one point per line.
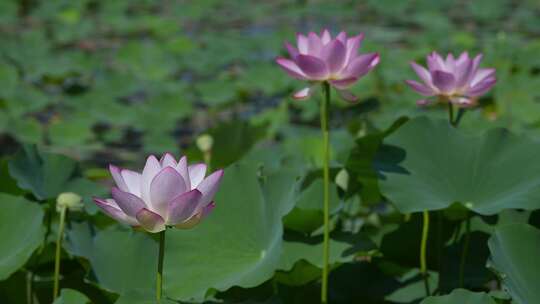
439	165
461	296
42	173
123	261
21	232
239	244
515	249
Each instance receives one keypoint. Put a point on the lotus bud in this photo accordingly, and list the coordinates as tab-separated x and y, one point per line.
70	201
205	142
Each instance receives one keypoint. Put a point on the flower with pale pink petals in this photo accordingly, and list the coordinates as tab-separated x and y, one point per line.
326	59
457	80
166	193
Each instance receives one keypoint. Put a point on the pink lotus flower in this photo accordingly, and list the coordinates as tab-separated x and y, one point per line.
459	81
324	58
167	193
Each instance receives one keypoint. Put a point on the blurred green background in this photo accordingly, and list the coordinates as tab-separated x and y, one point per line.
112	80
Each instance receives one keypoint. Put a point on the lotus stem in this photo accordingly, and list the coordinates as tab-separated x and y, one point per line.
460	114
205	143
423	250
161	255
464	252
440	244
63	210
454	121
325	104
208	159
450	113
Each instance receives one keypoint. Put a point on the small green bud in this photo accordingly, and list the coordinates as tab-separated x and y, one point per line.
70	201
205	142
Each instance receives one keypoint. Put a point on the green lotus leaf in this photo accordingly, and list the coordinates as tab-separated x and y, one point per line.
429	165
42	173
515	249
21	232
